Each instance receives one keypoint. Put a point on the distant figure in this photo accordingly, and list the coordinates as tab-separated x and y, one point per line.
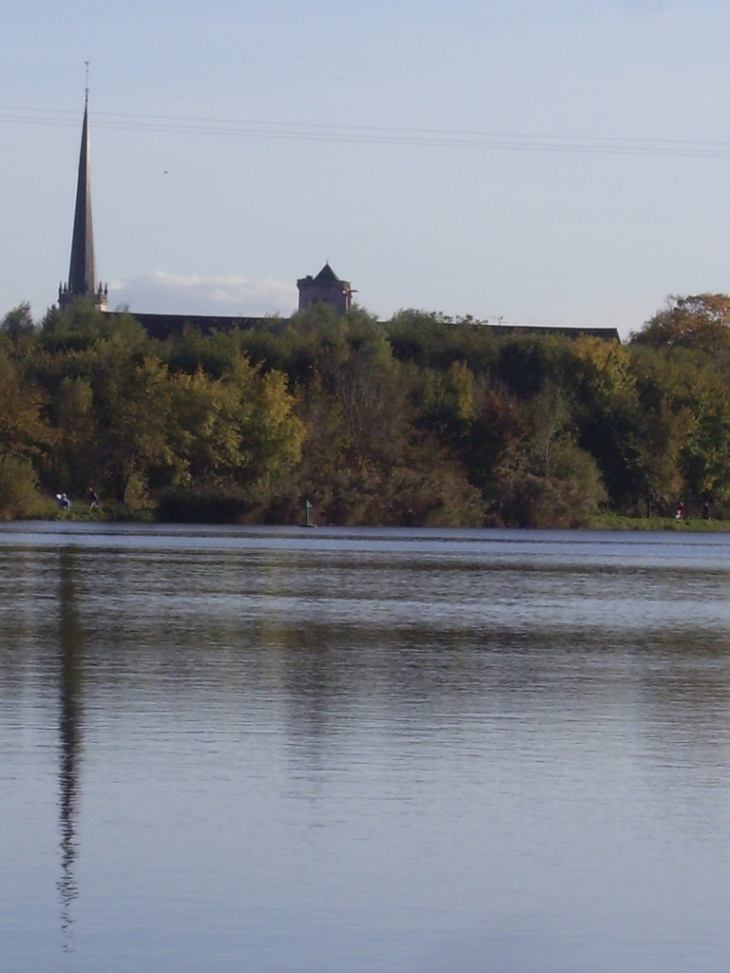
93	499
681	510
706	510
63	501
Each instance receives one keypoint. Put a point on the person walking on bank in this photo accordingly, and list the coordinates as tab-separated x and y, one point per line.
93	499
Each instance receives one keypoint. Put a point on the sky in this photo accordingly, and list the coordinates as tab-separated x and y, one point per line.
544	162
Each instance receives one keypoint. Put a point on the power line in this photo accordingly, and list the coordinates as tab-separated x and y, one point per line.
375	135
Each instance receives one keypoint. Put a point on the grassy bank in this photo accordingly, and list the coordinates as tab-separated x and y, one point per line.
117	513
610	521
81	513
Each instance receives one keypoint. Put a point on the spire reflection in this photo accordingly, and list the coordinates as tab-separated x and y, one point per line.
70	724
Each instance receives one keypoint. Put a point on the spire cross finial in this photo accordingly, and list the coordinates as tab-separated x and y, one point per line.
86	90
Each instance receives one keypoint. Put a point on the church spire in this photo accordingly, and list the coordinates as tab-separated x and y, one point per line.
82	270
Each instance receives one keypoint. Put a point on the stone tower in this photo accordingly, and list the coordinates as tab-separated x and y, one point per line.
325	288
82	270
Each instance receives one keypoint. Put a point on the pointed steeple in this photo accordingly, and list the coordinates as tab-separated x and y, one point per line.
82	270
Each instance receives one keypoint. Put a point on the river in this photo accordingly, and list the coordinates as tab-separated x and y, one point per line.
270	750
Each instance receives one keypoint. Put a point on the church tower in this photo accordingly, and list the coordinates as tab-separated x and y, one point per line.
325	288
82	271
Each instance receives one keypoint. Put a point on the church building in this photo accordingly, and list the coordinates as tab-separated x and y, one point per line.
326	288
82	270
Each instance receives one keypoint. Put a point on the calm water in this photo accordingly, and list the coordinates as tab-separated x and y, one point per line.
334	751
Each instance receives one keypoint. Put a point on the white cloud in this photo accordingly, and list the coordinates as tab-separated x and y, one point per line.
161	293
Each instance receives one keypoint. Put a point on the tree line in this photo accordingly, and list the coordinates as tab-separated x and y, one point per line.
419	420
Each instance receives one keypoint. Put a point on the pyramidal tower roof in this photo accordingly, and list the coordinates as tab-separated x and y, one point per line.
327	275
82	281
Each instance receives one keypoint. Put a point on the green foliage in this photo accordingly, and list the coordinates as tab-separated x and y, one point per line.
18	324
700	321
19	497
567	496
436	341
526	363
81	326
418	420
136	418
191	352
22	430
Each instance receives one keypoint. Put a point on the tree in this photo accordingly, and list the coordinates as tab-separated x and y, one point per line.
74	462
130	397
23	434
373	404
237	430
22	430
269	433
698	321
18	323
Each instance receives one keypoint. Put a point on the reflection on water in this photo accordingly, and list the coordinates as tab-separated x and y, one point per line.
70	725
364	750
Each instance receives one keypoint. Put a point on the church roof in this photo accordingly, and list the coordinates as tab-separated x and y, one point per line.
327	276
82	270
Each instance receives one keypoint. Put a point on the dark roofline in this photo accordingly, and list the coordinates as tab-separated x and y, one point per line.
162	326
606	334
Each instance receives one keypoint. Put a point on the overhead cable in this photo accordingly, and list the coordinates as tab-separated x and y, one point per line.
375	135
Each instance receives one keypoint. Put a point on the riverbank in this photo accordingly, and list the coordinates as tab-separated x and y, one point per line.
111	513
692	524
117	513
